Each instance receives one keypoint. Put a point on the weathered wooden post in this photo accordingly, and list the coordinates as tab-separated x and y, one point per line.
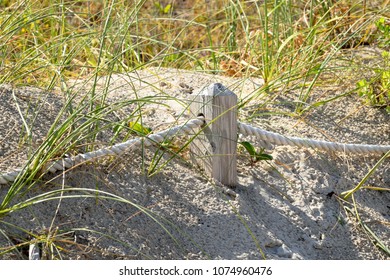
215	148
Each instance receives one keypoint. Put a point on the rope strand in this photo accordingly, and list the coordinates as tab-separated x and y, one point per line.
275	138
117	149
187	128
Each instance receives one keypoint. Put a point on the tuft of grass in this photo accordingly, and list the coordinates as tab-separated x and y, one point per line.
376	91
255	155
46	42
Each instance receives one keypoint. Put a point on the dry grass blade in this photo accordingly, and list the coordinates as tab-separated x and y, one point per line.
347	194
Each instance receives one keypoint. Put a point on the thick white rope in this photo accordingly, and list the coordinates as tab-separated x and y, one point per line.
275	138
114	150
187	128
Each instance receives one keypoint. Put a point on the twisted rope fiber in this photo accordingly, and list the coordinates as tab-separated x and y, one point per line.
187	128
275	138
117	149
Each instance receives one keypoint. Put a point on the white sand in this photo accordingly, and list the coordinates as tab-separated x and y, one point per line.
285	209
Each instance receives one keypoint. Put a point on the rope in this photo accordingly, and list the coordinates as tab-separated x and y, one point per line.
278	139
114	150
187	128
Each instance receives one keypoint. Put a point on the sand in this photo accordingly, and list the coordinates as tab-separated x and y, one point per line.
283	209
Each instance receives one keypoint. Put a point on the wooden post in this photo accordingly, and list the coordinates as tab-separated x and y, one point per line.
215	148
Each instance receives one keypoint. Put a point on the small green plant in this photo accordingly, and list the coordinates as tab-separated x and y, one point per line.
383	26
376	91
161	9
254	155
139	129
132	128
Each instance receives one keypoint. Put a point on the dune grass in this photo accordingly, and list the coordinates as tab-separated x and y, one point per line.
48	43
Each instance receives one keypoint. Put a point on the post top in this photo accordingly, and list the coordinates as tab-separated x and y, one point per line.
216	89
